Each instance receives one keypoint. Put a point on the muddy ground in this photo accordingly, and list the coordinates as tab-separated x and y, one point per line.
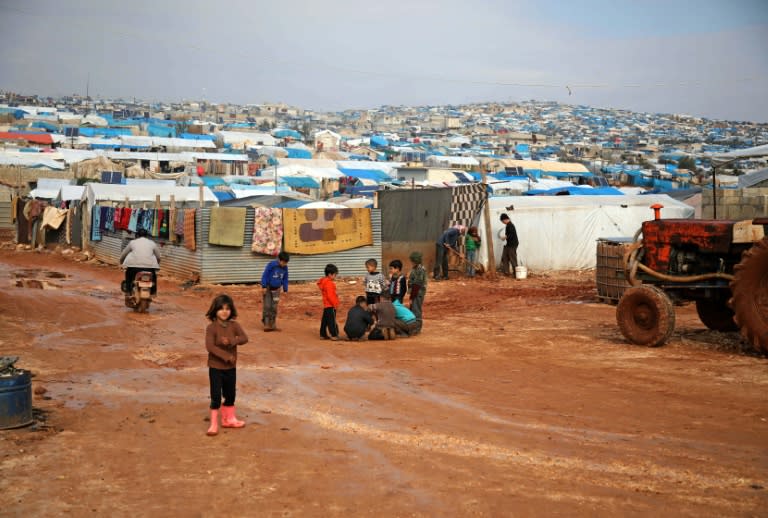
520	398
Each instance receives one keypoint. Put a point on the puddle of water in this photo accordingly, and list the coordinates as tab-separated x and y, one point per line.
36	284
31	279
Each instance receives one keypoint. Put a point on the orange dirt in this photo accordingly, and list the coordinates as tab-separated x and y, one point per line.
519	398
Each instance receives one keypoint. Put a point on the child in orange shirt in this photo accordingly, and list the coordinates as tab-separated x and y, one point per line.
330	303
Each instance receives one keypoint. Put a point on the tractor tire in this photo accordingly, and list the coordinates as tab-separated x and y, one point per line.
143	306
750	295
716	315
645	315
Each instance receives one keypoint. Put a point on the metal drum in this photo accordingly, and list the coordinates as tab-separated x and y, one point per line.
15	399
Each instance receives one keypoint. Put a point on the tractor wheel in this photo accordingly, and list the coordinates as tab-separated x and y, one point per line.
716	315
750	295
143	306
645	315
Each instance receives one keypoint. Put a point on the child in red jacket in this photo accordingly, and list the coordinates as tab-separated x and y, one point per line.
330	303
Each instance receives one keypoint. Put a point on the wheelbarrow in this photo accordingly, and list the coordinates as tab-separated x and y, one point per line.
479	268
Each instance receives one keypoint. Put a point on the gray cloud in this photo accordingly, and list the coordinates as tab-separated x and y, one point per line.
353	55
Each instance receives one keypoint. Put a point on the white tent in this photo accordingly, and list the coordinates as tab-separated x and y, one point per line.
453	161
753	152
560	232
34	160
96	192
301	170
70	192
49	188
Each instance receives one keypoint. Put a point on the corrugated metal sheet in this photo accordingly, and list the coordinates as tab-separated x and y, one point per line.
176	259
229	264
232	265
5	215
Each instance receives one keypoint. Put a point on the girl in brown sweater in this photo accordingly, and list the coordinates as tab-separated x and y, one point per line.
222	336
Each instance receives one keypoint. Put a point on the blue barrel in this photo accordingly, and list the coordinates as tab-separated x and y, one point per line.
15	400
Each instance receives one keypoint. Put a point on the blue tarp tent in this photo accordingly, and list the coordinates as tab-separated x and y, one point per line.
294	152
161	130
195	136
224	195
104	132
576	191
367	174
47	126
379	141
212	181
297	182
287	133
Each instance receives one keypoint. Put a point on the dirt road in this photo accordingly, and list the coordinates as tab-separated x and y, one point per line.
520	398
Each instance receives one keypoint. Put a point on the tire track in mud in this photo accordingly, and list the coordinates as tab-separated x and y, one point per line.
630	469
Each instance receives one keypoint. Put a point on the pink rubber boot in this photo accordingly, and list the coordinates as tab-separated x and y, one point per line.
214	428
228	418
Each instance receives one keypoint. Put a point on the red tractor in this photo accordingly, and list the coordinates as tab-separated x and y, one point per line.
720	265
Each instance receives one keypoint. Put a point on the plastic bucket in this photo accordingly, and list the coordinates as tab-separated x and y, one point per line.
15	400
521	272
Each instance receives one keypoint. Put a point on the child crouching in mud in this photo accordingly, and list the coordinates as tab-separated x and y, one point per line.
222	336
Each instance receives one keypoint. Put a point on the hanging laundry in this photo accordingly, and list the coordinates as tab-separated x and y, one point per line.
172	212
68	226
145	219
96	223
267	230
110	219
155	230
227	226
179	227
126	218
189	229
133	221
164	216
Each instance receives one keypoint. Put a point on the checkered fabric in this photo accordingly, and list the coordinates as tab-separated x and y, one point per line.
466	202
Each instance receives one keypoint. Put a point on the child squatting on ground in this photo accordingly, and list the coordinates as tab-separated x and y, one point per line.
385	319
222	337
327	287
359	320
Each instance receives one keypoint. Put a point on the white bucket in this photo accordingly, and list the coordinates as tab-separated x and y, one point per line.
521	272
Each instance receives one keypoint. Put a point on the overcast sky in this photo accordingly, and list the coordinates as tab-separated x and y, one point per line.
704	57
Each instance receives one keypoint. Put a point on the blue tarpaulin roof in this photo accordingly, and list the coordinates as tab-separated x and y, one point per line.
283	133
104	132
296	182
195	136
224	195
368	174
213	181
298	152
577	191
161	130
45	125
379	141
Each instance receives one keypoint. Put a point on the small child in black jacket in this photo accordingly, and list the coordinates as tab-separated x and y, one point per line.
397	283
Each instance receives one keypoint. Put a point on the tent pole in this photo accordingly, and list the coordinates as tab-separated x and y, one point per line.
488	234
714	192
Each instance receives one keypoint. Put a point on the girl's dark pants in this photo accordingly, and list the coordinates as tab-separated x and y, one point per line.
222	381
328	323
